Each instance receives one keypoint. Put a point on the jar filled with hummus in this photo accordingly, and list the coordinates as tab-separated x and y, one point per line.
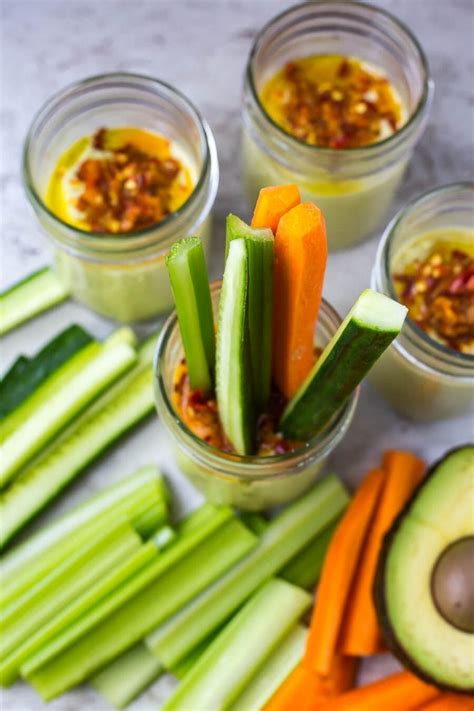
117	167
336	96
426	261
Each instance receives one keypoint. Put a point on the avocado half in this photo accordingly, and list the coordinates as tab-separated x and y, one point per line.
424	587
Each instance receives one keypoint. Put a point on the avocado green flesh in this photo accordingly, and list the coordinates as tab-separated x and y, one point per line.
440	515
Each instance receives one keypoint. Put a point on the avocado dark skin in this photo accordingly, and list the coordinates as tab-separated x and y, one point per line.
379	587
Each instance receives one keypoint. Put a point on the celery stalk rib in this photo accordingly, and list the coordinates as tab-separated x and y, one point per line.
305	568
162	597
127	676
187	271
273	673
230	661
286	534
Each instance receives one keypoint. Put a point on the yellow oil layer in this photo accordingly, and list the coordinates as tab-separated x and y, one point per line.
63	191
321	71
443	239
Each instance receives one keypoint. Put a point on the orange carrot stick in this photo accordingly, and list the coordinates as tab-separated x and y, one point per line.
300	263
449	702
272	203
304	688
361	634
338	572
399	692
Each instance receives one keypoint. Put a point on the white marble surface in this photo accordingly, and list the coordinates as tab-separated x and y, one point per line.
201	47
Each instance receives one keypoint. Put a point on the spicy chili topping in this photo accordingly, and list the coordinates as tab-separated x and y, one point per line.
333	102
200	414
438	291
118	181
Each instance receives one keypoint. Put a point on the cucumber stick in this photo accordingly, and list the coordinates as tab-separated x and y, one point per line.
244	644
368	329
233	370
127	676
273	673
187	271
29	297
260	248
35	607
286	534
28	373
128	498
113	414
178	583
69	390
80	607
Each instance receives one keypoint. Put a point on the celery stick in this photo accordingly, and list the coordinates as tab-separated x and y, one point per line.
286	534
273	673
124	334
228	664
160	599
111	416
185	665
260	248
29	561
255	521
127	676
187	271
305	568
24	615
61	398
93	596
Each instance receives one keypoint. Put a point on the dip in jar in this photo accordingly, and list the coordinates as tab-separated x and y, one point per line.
426	261
336	96
118	167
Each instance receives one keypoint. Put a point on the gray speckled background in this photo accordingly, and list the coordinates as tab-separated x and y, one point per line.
201	47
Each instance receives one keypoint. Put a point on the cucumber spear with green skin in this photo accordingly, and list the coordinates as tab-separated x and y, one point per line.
368	329
260	248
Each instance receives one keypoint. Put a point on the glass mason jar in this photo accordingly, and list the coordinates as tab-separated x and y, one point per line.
249	482
122	277
421	378
354	187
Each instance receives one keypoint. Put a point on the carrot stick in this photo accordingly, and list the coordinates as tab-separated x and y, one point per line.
449	702
399	692
300	263
361	635
298	691
303	688
338	573
272	203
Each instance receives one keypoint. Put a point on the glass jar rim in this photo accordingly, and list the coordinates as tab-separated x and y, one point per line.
210	155
423	101
383	259
320	444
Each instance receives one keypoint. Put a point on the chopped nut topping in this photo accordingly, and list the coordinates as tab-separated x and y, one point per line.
126	189
439	294
332	101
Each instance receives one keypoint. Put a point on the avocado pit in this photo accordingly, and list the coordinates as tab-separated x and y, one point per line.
452	584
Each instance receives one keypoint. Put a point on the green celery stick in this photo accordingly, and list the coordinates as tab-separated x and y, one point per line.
127	676
189	279
255	521
111	631
233	367
260	247
29	297
89	599
368	329
184	666
112	542
286	534
305	568
128	498
230	661
116	411
273	673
